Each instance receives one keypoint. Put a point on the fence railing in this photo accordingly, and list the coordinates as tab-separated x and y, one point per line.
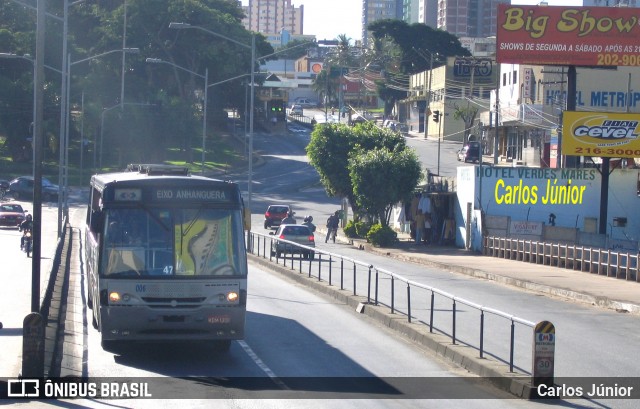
592	260
441	311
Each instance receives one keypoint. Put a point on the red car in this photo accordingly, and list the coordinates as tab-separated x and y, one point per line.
11	215
274	215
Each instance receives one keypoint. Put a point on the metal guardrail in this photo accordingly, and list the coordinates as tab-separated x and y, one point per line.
301	119
586	259
380	288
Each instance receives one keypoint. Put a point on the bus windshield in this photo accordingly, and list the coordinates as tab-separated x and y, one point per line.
172	242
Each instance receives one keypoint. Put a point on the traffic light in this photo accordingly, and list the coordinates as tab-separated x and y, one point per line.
436	116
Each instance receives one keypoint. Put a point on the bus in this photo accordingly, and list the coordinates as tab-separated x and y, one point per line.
166	258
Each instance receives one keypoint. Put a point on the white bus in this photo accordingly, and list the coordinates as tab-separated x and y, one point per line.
165	256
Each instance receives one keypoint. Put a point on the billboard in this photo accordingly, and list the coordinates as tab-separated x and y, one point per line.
603	134
583	36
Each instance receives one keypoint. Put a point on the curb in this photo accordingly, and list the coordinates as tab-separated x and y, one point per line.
465	357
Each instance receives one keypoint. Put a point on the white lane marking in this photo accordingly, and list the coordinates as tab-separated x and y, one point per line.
262	365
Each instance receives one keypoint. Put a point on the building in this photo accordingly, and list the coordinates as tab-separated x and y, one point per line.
531	99
462	84
272	16
374	10
281	39
468	18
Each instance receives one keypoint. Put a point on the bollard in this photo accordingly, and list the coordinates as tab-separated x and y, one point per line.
544	341
33	346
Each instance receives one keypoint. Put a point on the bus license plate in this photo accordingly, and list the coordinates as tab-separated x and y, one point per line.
219	319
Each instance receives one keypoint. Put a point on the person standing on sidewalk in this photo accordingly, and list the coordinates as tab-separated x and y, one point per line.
419	220
332	226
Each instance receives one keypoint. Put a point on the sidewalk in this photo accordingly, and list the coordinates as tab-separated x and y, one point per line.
602	291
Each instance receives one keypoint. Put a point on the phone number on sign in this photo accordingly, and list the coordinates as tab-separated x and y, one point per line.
607	151
618	59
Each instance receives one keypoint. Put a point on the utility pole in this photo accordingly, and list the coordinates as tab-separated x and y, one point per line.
427	109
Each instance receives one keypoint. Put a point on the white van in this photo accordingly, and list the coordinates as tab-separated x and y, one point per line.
306	103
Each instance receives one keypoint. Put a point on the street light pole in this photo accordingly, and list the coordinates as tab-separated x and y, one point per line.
251	105
204	113
206	86
252	102
69	65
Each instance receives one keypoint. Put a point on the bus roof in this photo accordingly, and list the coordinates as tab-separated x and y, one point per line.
153	173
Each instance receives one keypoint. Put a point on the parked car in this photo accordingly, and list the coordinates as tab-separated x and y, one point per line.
393	125
470	152
297	233
11	215
274	215
306	102
295	110
22	188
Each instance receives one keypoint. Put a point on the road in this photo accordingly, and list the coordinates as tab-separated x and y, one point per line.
16	274
293	333
592	342
310	350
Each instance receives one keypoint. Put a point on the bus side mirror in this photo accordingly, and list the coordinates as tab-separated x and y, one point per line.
246	218
97	221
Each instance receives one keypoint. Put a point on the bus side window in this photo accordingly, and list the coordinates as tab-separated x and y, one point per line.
97	220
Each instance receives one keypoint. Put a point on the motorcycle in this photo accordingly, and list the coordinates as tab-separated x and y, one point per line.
27	242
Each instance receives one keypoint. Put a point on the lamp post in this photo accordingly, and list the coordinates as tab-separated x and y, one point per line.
252	47
206	87
63	202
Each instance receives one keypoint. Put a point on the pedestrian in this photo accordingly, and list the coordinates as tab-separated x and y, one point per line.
419	220
427	229
332	226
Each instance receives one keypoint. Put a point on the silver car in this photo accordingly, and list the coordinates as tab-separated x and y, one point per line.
296	233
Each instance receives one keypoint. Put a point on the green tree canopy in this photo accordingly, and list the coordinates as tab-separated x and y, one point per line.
382	178
405	49
334	146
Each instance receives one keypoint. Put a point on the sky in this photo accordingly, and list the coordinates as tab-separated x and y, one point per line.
327	19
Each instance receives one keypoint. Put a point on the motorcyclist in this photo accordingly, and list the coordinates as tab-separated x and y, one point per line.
308	222
289	219
25	226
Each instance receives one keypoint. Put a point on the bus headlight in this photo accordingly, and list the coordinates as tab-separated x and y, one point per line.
114	296
232	296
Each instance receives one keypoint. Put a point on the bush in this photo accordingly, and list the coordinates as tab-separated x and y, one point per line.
362	228
381	236
350	229
355	229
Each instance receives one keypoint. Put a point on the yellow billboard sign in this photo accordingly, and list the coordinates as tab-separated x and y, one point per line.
603	134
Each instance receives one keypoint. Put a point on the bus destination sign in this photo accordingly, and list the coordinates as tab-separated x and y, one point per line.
191	194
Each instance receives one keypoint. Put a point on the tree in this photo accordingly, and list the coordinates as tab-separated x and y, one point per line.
294	49
175	115
332	145
381	178
400	47
467	115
